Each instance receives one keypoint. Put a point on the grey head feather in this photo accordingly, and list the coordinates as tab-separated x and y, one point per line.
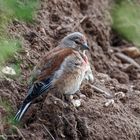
69	40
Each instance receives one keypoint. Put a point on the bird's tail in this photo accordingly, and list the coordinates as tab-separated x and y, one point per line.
22	111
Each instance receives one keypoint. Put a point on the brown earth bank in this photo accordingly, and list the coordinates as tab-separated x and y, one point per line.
94	119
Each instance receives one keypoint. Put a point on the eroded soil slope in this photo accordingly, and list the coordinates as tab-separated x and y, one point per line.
93	120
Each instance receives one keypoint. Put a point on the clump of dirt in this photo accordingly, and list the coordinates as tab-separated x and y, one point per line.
92	120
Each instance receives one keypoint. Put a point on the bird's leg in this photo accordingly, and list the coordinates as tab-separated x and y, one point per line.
80	95
71	100
68	97
75	101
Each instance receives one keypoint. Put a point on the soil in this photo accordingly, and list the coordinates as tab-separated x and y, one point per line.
92	120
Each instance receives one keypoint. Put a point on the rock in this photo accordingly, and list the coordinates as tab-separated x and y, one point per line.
133	52
76	103
8	71
109	102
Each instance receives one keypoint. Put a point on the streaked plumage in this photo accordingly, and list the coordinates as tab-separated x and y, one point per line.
63	69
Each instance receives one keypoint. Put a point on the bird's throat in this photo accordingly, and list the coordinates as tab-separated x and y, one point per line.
85	58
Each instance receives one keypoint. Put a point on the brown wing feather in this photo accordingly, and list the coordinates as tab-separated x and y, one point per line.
51	62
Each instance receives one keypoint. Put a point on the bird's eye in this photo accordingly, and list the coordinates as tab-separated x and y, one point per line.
77	64
77	42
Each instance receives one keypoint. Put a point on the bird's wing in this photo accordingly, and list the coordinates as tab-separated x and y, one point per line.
43	76
51	62
44	71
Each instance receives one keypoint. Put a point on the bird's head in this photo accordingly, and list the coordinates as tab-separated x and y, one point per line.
75	40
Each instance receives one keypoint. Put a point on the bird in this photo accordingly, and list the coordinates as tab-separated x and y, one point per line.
78	38
62	70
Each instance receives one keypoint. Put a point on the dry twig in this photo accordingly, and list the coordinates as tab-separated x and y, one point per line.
19	132
127	59
81	21
107	95
42	40
48	132
67	121
33	32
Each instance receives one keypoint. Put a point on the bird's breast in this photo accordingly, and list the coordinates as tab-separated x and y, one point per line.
73	82
69	82
69	76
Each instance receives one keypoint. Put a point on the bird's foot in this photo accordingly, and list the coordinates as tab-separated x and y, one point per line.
80	95
68	98
71	100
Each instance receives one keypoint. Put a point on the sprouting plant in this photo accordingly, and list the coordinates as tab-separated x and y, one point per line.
8	48
23	10
20	9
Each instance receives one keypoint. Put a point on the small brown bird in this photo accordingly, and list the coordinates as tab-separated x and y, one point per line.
63	69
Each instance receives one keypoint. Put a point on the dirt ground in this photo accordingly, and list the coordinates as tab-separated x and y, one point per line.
92	120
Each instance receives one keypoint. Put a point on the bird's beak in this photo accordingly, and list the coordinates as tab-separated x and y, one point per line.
85	46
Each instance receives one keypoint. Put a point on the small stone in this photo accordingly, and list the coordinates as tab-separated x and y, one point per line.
133	52
109	102
8	70
119	95
76	103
